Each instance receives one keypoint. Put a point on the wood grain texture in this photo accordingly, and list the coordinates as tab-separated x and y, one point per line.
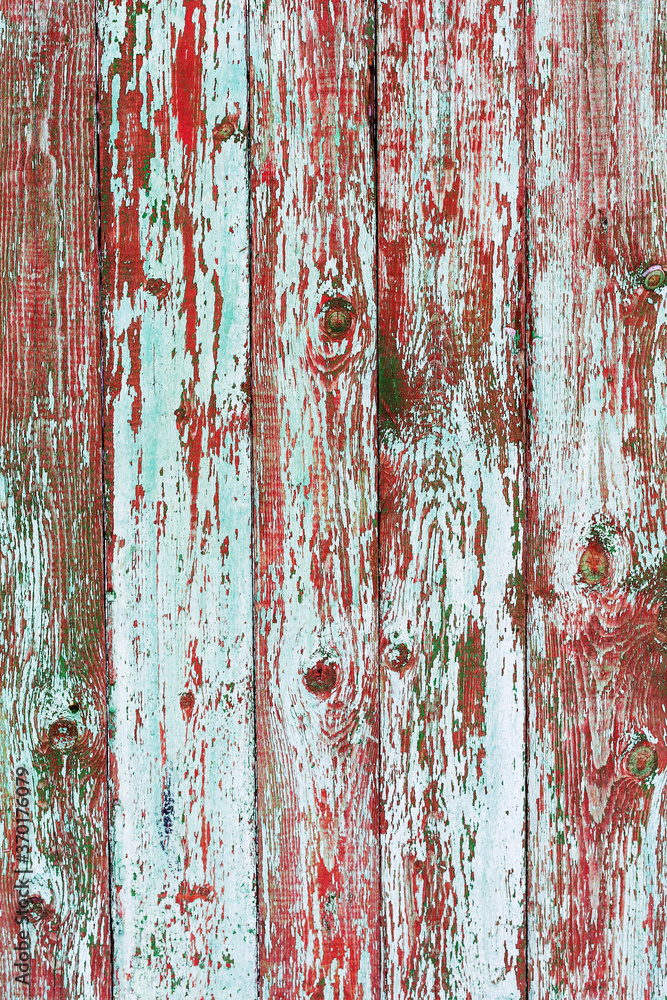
177	438
53	680
451	496
598	580
314	447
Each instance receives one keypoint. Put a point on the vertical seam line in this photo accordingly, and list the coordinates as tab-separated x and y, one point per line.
105	623
253	540
376	169
526	490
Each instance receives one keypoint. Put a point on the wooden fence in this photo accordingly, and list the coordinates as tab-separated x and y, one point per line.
333	466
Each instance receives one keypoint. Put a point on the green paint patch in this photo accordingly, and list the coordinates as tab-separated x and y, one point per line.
652	579
515	599
428	699
470	654
318	992
394	388
604	534
144	165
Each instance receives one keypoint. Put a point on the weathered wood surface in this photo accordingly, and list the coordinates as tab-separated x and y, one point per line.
177	435
53	680
597	581
451	498
439	719
314	449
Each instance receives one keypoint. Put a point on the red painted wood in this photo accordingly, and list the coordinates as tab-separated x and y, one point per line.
53	681
449	708
314	449
596	581
451	497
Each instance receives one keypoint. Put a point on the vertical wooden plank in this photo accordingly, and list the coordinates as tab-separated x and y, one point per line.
598	580
54	877
314	447
451	498
177	438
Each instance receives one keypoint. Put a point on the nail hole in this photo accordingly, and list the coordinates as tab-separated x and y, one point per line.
321	677
642	761
594	563
338	317
74	707
63	734
398	657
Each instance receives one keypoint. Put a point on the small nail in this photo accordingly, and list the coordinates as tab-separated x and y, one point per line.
594	563
321	678
338	317
642	761
654	277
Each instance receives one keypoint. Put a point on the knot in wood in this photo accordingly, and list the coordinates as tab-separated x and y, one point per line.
157	287
34	909
398	658
187	701
223	131
331	350
594	564
63	734
338	317
321	678
654	277
660	634
642	761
